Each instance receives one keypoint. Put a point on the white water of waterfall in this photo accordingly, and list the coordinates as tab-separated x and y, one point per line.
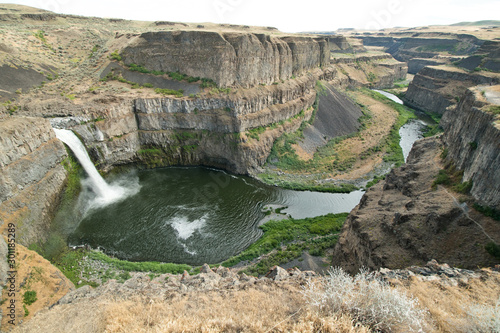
105	193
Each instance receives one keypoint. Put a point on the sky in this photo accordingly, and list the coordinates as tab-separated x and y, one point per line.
286	15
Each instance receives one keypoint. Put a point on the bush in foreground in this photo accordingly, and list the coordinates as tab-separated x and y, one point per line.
368	300
483	318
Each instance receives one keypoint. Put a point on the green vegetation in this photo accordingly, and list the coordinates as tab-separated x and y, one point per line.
433	129
176	93
394	153
488	211
297	185
73	185
74	265
495	109
331	157
401	84
205	83
10	107
115	56
371	77
144	266
40	35
286	240
94	50
29	297
493	249
374	181
452	178
149	151
111	76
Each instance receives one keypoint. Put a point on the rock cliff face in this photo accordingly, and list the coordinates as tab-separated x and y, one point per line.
31	177
370	70
402	221
434	89
472	136
416	64
207	131
424	45
230	59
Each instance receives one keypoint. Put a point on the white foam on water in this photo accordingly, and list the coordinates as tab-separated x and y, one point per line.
187	250
185	228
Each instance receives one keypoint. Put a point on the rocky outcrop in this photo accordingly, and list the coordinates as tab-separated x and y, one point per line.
229	113
440	274
207	131
472	138
416	64
434	89
402	221
230	59
424	45
109	131
236	152
32	176
486	58
369	70
339	44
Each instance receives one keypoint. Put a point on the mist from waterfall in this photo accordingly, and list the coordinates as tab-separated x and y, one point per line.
103	193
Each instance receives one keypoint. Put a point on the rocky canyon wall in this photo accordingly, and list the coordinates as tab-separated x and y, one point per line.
32	176
402	221
434	89
230	59
472	137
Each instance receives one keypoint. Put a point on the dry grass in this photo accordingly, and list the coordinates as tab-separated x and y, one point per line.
369	300
286	307
449	305
265	307
270	309
33	273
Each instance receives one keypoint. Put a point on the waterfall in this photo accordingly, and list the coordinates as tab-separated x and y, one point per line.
105	193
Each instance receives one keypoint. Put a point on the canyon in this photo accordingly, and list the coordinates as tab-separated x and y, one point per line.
156	94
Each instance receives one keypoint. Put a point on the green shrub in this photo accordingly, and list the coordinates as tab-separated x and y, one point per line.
176	93
488	211
473	145
29	297
115	56
298	235
493	249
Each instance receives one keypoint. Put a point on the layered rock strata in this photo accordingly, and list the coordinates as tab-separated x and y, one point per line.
472	139
369	70
434	89
424	45
230	59
31	177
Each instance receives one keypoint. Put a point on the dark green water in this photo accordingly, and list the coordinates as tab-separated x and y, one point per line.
194	215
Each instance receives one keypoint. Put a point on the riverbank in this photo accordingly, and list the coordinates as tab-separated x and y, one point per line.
345	163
